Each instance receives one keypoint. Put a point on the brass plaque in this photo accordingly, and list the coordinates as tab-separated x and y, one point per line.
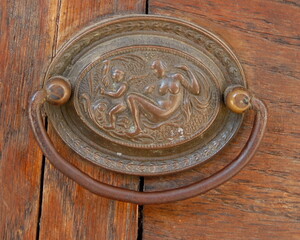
146	94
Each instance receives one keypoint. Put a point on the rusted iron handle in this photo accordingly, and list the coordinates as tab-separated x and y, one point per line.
132	196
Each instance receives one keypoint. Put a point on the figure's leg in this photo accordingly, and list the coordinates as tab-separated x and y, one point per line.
132	103
136	103
112	115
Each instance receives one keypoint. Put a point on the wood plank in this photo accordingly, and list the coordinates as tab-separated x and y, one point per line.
75	15
69	211
262	202
27	29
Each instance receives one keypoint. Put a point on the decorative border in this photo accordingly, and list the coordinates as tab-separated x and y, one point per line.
149	167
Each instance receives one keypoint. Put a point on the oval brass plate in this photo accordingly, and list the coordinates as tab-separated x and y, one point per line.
146	94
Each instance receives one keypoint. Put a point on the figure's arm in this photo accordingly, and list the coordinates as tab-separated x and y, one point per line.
122	89
104	79
105	71
138	77
149	88
192	85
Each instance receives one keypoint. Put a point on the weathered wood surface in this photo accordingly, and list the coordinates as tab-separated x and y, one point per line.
26	40
263	201
68	210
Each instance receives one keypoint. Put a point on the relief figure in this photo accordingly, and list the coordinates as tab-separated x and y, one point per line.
119	89
162	99
132	99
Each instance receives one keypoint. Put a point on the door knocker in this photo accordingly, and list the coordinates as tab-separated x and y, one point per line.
146	95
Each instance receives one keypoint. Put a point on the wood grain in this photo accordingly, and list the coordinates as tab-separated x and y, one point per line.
68	210
26	33
75	15
262	202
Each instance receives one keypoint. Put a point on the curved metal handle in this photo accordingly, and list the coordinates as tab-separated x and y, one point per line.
236	99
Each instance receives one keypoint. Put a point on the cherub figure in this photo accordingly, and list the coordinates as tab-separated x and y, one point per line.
120	87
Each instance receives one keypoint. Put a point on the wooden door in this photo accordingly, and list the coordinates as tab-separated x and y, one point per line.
262	202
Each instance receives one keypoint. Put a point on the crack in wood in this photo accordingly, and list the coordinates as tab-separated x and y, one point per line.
40	206
141	212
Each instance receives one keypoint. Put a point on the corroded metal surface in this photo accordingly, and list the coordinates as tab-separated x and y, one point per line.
147	94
